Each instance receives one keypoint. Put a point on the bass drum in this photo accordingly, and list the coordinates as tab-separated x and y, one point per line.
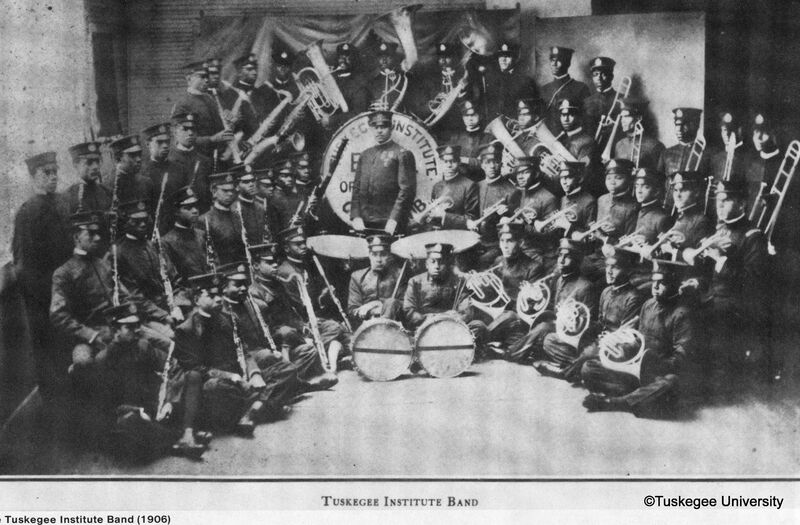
445	346
382	349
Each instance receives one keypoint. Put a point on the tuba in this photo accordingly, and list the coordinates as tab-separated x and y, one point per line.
776	194
511	150
554	153
623	350
323	95
477	41
402	19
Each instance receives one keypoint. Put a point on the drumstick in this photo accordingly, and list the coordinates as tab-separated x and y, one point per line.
399	279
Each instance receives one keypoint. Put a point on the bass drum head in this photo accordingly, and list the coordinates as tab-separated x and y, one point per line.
445	346
382	349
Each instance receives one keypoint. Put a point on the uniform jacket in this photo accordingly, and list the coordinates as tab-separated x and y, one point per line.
224	235
618	305
557	89
385	184
512	271
208	120
489	193
367	285
670	332
176	179
139	268
586	205
424	297
620	210
504	88
186	250
470	142
194	168
596	106
92	196
543	203
466	202
652	221
650	153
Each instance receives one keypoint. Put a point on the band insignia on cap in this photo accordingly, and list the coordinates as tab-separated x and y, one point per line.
92	147
679	113
442	47
727	118
190	117
162	129
141	206
504	47
759	119
383	47
241	268
554	50
598	62
189	192
283	55
248	168
346	47
134	139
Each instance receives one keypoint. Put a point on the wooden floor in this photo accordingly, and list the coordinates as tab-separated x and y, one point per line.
498	420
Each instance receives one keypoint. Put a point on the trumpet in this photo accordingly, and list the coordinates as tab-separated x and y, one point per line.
443	202
606	120
595	230
721	235
533	298
549	222
491	210
776	193
672	236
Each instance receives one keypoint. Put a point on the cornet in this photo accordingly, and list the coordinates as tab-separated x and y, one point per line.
595	229
673	236
690	254
549	222
440	203
491	210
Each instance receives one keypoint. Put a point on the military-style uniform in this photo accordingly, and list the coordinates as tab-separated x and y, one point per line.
470	143
139	269
384	186
504	88
185	247
133	187
224	234
650	154
599	104
585	208
88	196
367	285
284	202
193	168
255	220
652	221
155	171
491	191
538	246
620	210
693	225
466	202
563	87
208	121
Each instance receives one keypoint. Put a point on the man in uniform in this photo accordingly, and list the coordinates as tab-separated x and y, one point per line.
185	244
436	291
351	84
651	221
650	149
193	166
441	82
668	323
493	189
238	113
676	158
286	200
459	189
384	88
583	203
222	224
296	271
598	105
688	191
579	143
257	224
157	168
127	183
505	83
385	181
374	291
211	131
88	194
83	287
470	138
40	244
561	87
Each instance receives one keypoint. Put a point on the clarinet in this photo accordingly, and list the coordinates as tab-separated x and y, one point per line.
210	256
247	254
158	206
262	323
162	269
113	234
238	341
162	390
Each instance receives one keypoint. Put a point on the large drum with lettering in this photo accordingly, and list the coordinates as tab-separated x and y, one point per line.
445	346
382	349
407	132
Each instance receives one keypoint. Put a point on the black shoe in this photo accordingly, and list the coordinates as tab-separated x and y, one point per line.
321	382
346	363
602	403
202	437
184	450
548	369
245	427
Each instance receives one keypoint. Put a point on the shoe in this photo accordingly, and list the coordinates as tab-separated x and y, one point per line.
321	382
603	403
202	437
245	427
548	369
186	450
495	350
346	363
272	412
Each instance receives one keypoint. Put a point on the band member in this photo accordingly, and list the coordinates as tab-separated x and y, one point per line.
304	180
561	87
505	83
156	168
739	287
222	225
579	143
211	131
650	149
262	99
767	160
40	244
88	194
506	332
675	158
730	127
652	220
351	84
185	244
294	272
459	189
385	181
287	202
619	303
258	224
440	83
688	192
493	189
193	166
386	89
576	198
374	291
470	139
127	182
83	287
529	110
282	79
265	187
139	263
618	207
598	104
565	284
668	323
234	104
439	290
214	71
532	200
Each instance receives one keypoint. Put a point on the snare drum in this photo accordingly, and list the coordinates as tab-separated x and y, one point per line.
339	246
382	349
445	346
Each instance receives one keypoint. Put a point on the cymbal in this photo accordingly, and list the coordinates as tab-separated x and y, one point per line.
339	246
413	246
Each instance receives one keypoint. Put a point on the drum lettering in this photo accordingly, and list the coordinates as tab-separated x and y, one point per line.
399	126
418	205
346	208
430	172
428	153
408	131
354	157
345	186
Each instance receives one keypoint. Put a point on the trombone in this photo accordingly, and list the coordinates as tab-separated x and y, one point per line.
606	120
776	194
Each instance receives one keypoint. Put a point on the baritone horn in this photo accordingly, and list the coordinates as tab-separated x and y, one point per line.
551	151
402	20
511	150
322	93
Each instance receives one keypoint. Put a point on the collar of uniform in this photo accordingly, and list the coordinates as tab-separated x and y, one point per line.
179	226
181	147
220	207
383	145
515	257
281	82
686	144
132	238
474	129
245	85
620	195
451	177
493	180
606	90
735	219
79	252
575	131
562	77
266	282
534	186
509	71
295	260
649	203
193	91
767	156
619	287
201	313
157	161
448	72
574	192
230	301
245	200
682	211
344	74
569	275
388	72
299	182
